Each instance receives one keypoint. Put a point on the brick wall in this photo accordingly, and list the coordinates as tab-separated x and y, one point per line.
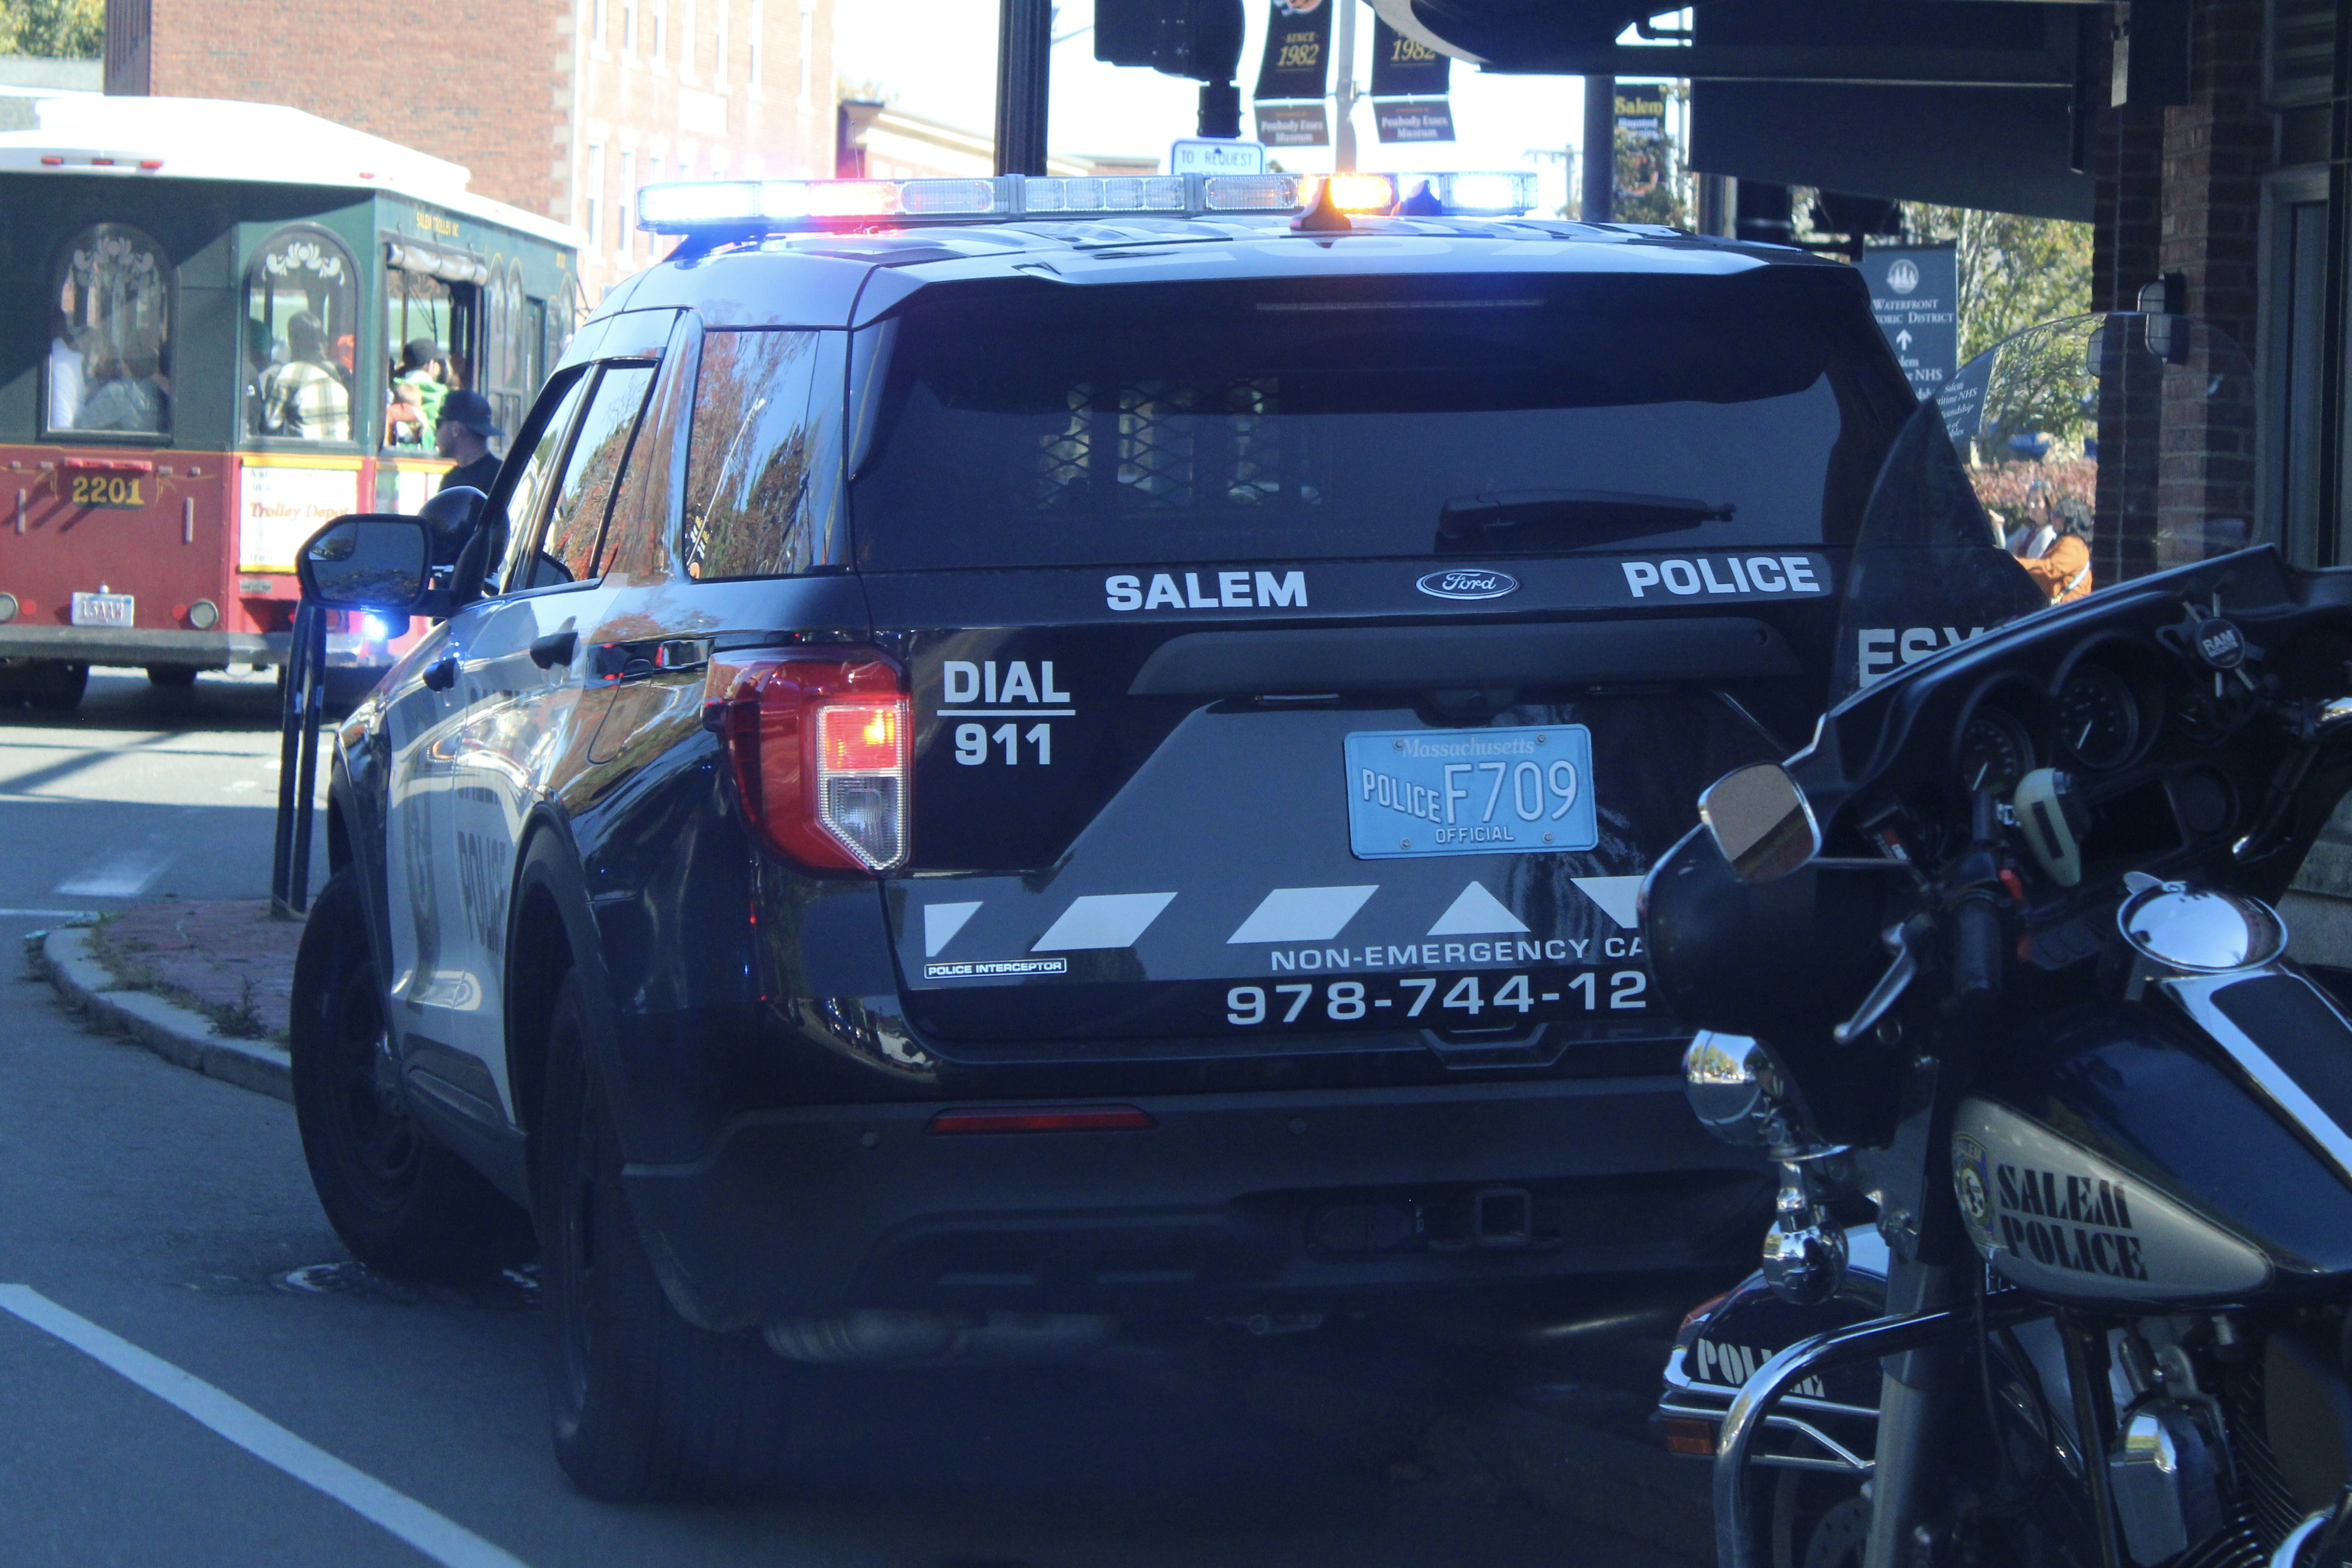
480	84
2128	173
2216	149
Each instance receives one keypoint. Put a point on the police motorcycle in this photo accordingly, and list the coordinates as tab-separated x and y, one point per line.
1991	970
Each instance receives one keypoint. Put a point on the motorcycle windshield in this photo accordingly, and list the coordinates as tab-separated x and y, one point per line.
2062	462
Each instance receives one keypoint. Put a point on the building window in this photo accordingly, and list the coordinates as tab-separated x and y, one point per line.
685	48
629	27
625	239
808	48
719	64
751	51
595	214
301	332
109	364
597	22
661	31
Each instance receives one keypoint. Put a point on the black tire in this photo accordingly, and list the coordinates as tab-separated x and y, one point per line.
401	1202
647	1407
178	676
53	687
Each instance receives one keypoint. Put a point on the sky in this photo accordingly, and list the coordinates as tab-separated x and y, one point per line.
936	58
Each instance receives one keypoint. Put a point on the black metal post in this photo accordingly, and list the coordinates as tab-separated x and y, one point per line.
299	712
1025	46
1600	149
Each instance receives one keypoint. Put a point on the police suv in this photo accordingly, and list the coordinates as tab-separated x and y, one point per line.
1014	756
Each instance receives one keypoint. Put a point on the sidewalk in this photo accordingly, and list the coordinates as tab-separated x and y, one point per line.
205	983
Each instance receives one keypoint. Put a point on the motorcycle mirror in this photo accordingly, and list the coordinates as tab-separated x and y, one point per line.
1760	822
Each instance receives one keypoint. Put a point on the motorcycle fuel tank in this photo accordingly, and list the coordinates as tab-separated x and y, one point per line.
2127	1155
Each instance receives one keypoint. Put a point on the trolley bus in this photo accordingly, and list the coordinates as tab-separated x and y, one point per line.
224	291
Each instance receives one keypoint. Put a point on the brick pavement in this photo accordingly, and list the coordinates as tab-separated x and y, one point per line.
225	956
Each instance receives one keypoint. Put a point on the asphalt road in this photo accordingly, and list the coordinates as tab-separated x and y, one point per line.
154	1216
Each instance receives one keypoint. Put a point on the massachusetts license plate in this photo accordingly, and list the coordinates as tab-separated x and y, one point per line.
102	609
1470	791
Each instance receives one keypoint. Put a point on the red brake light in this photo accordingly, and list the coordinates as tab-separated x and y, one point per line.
821	752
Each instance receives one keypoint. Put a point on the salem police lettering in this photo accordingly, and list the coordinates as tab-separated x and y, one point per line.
1737	576
1226	589
2079	1223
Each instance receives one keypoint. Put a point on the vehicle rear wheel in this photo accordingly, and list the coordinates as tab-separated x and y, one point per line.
647	1407
400	1201
181	676
51	685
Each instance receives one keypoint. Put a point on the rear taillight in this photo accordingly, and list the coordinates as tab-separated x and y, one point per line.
820	749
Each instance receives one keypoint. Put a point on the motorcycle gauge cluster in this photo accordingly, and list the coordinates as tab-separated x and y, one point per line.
2098	716
1995	752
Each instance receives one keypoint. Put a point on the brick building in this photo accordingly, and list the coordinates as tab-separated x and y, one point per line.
561	107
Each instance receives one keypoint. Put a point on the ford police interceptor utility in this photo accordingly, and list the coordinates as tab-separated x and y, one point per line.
1014	756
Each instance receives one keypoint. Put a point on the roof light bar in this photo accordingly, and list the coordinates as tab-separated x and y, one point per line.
782	207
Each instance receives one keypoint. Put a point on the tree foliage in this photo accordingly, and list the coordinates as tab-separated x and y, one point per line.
52	29
2015	272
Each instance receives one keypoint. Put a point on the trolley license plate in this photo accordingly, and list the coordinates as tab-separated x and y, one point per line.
1470	791
103	609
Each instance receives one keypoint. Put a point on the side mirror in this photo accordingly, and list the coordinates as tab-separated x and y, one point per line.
371	562
1760	821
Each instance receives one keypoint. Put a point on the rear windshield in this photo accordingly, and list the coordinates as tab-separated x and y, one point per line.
1041	424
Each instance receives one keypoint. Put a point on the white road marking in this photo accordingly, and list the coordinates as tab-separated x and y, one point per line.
444	1541
1616	895
1477	913
125	874
1102	920
44	913
1302	913
940	924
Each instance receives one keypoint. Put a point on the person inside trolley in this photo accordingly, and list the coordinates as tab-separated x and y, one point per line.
301	396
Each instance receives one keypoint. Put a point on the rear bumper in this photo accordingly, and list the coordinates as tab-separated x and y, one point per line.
208	650
1298	1201
110	645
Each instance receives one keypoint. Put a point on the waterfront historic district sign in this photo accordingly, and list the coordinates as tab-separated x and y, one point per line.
1914	293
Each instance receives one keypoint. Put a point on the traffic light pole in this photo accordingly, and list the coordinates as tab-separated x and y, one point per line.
1024	53
1600	149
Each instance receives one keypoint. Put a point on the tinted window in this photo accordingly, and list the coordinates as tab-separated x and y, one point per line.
1473	416
301	332
541	455
109	365
750	460
575	517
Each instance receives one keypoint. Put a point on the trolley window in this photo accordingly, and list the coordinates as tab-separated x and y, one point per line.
110	357
301	334
429	330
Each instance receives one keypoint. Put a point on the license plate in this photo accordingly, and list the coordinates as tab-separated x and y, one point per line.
1470	791
102	609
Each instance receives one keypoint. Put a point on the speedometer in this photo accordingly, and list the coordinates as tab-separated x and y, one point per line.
1994	753
2098	718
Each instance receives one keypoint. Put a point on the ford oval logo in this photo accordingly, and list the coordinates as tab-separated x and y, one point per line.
1468	584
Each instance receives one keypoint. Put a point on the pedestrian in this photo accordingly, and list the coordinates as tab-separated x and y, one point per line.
2060	562
303	397
419	380
463	434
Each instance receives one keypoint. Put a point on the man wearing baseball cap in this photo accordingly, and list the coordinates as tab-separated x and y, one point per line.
463	435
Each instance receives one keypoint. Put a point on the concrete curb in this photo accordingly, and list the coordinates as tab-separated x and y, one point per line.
175	1033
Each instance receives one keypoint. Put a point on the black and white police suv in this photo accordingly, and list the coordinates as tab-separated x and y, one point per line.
1015	757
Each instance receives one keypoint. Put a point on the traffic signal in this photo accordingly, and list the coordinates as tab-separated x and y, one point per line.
1197	39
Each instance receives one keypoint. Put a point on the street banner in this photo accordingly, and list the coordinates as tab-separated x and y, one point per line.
1405	122
1641	139
1298	62
1914	293
1403	69
1293	125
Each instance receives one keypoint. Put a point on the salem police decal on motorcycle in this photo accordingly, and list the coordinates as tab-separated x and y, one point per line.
2054	1217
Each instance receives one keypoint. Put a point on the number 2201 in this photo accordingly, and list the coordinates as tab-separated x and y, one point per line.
974	740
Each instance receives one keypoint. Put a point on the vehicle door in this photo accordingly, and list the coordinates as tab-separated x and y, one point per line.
517	716
425	720
1314	665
